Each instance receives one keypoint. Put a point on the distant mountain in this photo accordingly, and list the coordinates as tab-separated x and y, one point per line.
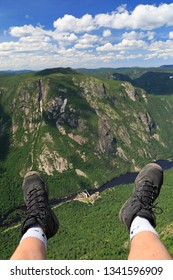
155	82
60	70
166	66
17	71
96	70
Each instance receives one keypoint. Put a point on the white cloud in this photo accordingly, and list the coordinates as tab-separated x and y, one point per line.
150	35
31	33
27	45
106	48
134	35
87	41
148	17
26	30
161	48
83	46
126	44
171	35
145	17
87	38
91	41
122	8
107	33
64	38
32	39
70	23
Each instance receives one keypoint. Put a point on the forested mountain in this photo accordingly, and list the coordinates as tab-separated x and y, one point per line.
79	131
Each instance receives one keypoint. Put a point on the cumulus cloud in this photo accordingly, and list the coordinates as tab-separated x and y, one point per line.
126	44
87	41
160	49
26	30
91	41
134	35
145	17
122	8
64	38
107	33
70	23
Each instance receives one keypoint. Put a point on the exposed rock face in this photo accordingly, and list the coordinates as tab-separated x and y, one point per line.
130	90
93	92
58	111
107	142
121	153
144	95
80	173
77	138
26	105
146	121
103	90
49	161
40	96
124	135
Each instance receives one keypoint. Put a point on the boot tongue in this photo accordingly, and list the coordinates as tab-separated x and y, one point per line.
146	195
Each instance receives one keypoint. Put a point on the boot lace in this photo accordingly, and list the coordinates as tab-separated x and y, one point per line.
147	195
35	204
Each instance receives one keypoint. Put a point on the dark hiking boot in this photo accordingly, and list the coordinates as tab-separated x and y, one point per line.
146	190
38	210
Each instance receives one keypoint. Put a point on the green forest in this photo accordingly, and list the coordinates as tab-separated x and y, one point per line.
80	129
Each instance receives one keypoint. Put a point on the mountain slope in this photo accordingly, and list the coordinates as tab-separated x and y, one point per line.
79	131
58	123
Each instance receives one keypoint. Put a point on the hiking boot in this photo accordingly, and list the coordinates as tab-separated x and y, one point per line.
38	210
146	190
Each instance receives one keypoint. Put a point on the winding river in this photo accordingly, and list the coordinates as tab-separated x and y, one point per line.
127	178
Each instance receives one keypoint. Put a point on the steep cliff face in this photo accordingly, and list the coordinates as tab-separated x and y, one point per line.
60	123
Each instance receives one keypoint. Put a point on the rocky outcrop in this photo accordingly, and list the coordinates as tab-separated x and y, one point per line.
40	96
58	111
124	135
121	154
94	88
107	141
49	161
80	173
146	121
77	138
130	90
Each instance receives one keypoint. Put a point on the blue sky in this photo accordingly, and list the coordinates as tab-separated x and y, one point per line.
85	33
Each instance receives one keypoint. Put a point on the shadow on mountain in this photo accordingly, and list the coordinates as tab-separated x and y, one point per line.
121	77
157	83
5	125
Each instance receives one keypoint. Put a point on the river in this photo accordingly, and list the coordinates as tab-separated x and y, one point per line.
124	179
129	177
